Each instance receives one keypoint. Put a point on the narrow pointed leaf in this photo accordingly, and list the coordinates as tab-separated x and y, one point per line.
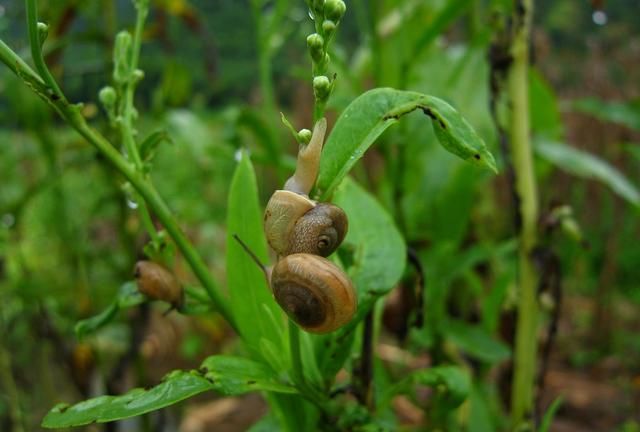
586	165
373	112
248	288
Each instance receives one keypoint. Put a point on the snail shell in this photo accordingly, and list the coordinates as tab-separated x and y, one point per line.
283	211
314	292
319	231
295	224
158	283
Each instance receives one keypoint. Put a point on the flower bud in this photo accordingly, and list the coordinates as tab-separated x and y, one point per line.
321	87
108	97
43	32
315	42
304	135
317	6
334	9
328	27
121	56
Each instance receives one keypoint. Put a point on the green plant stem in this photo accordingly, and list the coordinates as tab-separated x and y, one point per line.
525	344
71	114
127	114
36	47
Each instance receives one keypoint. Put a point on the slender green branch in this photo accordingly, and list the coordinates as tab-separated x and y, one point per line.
126	116
71	114
36	47
16	64
525	345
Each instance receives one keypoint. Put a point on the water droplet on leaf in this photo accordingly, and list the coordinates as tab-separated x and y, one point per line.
599	17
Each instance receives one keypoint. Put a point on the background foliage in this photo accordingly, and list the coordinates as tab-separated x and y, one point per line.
216	75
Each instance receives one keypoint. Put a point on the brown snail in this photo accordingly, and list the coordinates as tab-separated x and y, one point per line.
158	283
313	292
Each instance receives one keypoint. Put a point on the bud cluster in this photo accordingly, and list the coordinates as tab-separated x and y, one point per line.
327	14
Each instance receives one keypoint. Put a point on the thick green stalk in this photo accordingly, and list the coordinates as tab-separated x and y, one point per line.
71	114
525	344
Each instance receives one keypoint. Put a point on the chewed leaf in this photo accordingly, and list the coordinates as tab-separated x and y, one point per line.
364	120
223	374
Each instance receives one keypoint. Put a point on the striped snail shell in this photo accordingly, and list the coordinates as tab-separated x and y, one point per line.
314	292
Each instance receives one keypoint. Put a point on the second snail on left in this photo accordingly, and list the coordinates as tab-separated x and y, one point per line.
314	292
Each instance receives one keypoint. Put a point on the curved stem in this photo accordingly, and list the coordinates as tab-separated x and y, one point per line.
36	47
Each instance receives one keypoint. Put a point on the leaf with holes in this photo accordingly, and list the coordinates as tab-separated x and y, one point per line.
364	120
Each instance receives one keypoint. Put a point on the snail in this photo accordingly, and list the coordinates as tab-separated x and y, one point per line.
313	291
158	283
293	223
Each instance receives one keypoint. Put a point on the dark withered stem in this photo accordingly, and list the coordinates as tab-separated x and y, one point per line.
253	256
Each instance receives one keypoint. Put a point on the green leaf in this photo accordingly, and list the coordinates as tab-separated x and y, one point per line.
624	113
443	18
586	165
238	375
549	414
452	384
151	143
475	341
378	254
377	247
226	375
543	106
177	386
373	112
90	325
251	300
128	297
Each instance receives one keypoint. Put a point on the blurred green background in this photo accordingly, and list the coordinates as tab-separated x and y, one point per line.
217	73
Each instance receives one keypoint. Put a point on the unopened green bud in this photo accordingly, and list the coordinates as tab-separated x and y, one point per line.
43	32
321	87
108	97
328	27
138	75
304	135
315	42
317	6
334	9
121	56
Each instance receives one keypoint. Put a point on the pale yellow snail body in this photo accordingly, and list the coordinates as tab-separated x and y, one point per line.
313	291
